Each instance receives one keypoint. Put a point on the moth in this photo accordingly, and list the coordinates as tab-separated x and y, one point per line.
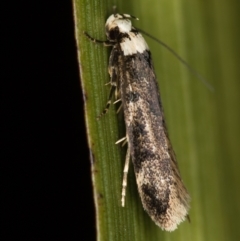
161	189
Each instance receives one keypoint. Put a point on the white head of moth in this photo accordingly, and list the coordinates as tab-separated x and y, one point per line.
122	24
162	192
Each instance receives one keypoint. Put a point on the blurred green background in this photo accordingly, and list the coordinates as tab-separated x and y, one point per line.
203	125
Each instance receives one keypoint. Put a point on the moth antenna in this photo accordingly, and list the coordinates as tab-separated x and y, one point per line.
189	67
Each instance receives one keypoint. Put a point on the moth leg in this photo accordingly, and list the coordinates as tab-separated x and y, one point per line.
105	43
121	140
125	172
108	83
116	101
120	107
113	83
113	87
117	94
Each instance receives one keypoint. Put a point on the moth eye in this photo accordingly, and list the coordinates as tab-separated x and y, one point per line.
113	33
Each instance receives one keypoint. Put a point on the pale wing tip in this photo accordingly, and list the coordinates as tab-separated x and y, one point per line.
171	220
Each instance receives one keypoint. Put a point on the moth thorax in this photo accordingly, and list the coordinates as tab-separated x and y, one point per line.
117	24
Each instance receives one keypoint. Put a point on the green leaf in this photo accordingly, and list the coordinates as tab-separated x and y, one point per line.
203	125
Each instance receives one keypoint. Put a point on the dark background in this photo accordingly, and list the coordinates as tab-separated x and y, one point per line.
47	193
